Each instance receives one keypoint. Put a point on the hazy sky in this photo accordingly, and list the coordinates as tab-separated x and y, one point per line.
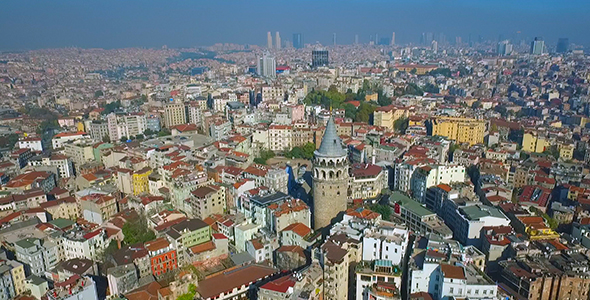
27	24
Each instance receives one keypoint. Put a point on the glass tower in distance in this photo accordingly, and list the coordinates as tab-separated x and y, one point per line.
298	40
563	45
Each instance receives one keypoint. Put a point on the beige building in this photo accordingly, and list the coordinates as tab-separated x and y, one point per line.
208	200
174	114
279	137
80	152
462	130
98	208
387	115
65	208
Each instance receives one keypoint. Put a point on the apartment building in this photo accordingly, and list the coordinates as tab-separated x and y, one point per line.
174	114
462	130
207	200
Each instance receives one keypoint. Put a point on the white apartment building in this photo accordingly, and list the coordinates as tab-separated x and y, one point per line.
63	163
279	137
81	244
64	137
432	175
385	243
31	143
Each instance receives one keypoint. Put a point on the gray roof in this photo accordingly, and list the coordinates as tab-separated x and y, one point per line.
331	145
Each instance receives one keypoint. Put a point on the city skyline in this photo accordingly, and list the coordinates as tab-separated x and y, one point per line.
110	24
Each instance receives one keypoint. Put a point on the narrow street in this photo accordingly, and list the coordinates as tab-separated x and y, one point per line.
405	288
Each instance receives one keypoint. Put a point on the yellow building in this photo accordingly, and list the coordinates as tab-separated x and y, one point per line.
18	277
387	115
140	181
566	151
532	142
462	130
372	97
420	69
80	126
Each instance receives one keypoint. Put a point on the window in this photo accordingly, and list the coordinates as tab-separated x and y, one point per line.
451	290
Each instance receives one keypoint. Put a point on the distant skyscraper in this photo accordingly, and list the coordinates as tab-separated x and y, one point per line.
384	41
504	48
334	38
267	66
429	38
277	40
319	58
563	45
393	39
376	39
458	40
356	39
538	46
434	46
269	40
298	40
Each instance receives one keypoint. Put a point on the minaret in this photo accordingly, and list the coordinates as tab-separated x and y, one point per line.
330	177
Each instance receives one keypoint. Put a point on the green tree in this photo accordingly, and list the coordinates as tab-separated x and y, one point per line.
98	93
148	132
414	89
431	88
139	137
401	125
111	107
124	139
308	150
441	71
136	231
164	132
349	111
106	139
264	156
383	100
364	112
8	141
384	210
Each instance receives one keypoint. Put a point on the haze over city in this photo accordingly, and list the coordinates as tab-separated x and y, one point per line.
294	149
31	24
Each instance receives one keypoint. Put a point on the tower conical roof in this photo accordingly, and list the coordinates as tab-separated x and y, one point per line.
331	145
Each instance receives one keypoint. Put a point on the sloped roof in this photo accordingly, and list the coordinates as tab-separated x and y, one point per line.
331	145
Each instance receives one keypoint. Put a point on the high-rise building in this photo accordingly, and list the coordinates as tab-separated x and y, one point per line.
504	48
538	46
277	40
298	40
376	39
334	38
319	58
269	40
330	177
563	45
429	38
458	40
393	39
434	46
267	66
356	39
